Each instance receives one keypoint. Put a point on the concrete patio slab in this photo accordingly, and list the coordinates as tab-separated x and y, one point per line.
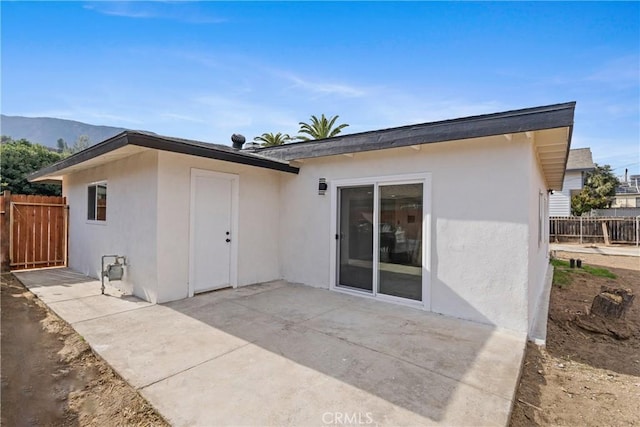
295	303
59	284
95	307
148	345
76	297
55	276
422	341
235	319
208	298
284	354
248	393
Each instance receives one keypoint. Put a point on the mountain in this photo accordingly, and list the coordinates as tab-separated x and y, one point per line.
47	130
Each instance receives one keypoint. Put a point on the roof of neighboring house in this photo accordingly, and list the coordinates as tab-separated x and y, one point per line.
580	159
548	127
130	142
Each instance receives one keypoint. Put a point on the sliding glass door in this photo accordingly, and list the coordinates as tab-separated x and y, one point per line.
380	229
355	234
400	260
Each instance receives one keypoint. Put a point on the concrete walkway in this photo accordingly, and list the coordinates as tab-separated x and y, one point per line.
284	354
593	249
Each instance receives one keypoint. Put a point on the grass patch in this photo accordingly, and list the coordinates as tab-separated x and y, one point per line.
559	263
562	272
561	277
600	272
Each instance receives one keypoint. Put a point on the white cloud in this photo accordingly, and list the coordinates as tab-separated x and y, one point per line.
325	88
123	9
176	11
620	73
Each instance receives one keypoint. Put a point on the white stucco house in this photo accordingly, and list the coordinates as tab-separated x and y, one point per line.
579	163
399	219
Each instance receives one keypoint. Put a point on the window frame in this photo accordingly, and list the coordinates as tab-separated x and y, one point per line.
95	219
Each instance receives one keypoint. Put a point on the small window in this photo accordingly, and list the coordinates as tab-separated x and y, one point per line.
97	202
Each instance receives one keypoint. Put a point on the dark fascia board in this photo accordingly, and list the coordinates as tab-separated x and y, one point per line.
210	151
174	145
111	144
524	120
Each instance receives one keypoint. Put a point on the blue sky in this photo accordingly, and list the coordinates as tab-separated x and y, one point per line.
205	70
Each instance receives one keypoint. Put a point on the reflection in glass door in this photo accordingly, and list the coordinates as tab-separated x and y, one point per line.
400	251
355	234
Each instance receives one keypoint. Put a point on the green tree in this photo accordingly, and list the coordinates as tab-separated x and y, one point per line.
320	128
270	139
62	146
82	143
20	158
598	191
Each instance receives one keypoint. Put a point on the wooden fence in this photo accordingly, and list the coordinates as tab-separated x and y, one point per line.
594	230
34	231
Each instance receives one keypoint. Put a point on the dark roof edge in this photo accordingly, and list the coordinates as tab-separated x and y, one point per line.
195	149
158	142
514	121
113	143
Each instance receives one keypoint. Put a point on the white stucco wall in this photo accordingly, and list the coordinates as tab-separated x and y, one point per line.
480	223
258	224
130	229
560	201
486	264
538	245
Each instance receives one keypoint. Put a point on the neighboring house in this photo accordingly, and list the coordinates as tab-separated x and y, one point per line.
628	193
579	163
626	200
399	219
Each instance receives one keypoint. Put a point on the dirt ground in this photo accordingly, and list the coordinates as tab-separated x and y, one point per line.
583	378
50	377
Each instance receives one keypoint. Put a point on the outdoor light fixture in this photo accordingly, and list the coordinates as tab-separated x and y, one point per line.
322	186
550	191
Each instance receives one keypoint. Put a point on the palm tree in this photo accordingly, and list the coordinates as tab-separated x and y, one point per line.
269	139
320	128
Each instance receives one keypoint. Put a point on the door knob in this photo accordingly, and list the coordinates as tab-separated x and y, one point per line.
228	240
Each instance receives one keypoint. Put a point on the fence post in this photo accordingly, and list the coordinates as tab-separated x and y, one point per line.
580	229
5	227
638	230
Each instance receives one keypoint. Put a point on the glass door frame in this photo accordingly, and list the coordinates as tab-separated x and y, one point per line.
377	181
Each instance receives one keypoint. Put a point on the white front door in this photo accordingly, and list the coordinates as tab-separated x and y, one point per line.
212	230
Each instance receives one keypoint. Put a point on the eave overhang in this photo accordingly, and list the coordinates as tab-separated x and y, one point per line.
131	142
536	121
